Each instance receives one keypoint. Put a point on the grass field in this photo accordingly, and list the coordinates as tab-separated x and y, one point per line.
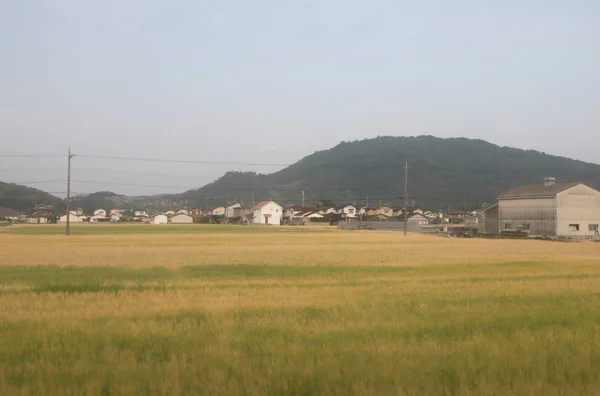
212	310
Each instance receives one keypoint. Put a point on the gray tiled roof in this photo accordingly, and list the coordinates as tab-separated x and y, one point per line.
536	191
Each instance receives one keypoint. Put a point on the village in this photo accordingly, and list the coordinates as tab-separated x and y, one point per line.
549	209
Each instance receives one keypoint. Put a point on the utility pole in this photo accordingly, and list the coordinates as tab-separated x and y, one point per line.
405	197
302	198
68	230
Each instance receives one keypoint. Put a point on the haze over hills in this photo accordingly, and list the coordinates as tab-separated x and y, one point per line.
443	174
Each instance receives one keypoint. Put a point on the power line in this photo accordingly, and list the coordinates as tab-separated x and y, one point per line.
30	155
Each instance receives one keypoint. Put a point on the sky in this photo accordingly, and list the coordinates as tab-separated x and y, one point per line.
271	81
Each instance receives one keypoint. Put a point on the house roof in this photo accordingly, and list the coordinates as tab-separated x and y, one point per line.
263	203
537	191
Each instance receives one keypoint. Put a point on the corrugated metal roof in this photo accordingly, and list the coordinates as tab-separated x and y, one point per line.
536	191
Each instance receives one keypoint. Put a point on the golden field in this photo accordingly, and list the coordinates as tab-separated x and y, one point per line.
216	310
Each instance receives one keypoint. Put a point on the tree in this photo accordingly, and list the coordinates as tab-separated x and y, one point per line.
326	203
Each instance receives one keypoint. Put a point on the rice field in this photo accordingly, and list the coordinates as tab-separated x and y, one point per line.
214	310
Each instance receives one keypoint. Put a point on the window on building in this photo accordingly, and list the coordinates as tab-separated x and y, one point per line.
508	226
351	211
573	227
593	228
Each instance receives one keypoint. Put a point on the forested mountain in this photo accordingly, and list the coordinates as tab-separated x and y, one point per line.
443	173
24	199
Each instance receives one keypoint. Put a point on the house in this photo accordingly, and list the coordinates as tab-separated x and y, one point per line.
117	212
38	218
347	211
100	212
398	211
297	212
170	212
416	210
196	212
327	211
73	217
99	219
44	209
371	211
182	218
218	211
230	210
242	215
159	219
417	218
140	214
570	210
386	211
267	213
115	217
183	211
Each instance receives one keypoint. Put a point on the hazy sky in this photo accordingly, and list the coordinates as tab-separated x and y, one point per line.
272	81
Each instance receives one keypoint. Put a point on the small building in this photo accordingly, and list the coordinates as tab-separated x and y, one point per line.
267	213
115	217
140	214
347	211
159	219
570	210
100	212
182	218
386	211
218	211
196	212
230	210
73	217
99	219
170	212
183	211
38	218
117	212
418	218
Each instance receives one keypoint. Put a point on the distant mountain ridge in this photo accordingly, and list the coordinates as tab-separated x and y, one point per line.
443	174
24	199
446	174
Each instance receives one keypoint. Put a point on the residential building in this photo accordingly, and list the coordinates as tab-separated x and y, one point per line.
159	219
38	218
230	210
347	211
140	214
182	218
100	212
196	212
417	218
99	219
117	212
553	209
218	211
386	211
267	213
73	217
170	212
183	211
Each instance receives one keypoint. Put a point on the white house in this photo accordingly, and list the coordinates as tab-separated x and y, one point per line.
97	218
267	213
218	211
116	212
73	218
182	211
100	212
230	210
347	211
418	218
115	217
140	214
182	218
160	219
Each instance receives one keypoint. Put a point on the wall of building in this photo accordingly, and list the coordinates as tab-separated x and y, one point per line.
578	207
182	219
537	215
275	211
489	221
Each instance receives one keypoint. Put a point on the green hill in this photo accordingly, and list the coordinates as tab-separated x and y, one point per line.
24	199
443	173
